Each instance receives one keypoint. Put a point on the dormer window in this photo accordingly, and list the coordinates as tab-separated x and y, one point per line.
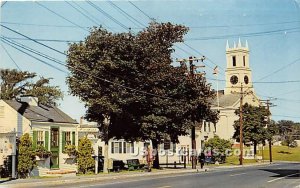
233	61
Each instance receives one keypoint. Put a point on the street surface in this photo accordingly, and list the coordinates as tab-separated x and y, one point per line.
278	175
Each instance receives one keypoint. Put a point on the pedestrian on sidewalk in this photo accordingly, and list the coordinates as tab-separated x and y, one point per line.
201	159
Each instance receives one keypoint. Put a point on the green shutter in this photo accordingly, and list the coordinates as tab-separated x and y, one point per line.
47	140
34	139
73	138
63	141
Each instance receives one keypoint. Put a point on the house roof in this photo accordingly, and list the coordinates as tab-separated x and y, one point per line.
40	113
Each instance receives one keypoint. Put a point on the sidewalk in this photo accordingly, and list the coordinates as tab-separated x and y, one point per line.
102	177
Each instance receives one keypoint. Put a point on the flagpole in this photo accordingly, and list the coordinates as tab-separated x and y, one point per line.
218	91
216	72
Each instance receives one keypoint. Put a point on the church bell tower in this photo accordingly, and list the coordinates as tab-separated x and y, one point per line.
238	70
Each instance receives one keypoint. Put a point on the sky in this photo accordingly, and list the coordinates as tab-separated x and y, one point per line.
271	27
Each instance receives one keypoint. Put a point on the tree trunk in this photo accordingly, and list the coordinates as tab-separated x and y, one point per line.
105	165
156	160
255	147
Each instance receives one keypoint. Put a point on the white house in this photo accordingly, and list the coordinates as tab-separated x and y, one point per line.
48	126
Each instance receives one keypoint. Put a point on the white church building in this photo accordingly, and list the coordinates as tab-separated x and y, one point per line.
238	79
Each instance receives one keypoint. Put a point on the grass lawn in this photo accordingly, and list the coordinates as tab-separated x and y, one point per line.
283	153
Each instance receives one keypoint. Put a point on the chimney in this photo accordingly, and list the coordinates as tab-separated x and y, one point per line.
81	120
30	100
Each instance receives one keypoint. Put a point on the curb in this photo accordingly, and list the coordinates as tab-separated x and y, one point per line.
99	178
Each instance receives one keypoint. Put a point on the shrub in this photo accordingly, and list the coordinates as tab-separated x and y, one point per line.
293	144
70	150
84	157
219	146
41	152
26	157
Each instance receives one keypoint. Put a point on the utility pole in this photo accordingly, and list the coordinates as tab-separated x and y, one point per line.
192	73
268	105
242	93
241	125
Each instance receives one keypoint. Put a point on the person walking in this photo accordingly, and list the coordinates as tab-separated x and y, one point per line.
201	159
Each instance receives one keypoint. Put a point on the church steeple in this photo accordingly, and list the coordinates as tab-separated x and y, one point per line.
238	69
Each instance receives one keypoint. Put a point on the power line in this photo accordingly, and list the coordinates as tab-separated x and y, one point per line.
68	66
34	57
82	13
141	10
31	50
40	25
11	57
33	39
203	55
128	16
45	7
92	16
107	15
269	82
243	25
247	34
280	69
44	40
3	3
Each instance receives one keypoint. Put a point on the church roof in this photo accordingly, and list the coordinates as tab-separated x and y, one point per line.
228	100
40	113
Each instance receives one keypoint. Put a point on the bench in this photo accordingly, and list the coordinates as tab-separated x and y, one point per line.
175	164
134	164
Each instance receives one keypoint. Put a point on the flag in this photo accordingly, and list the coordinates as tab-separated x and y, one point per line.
216	70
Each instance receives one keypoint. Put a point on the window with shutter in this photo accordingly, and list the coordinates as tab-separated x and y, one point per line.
63	141
47	140
34	139
40	138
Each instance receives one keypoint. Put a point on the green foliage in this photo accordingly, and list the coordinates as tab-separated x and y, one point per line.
170	102
42	152
26	157
85	160
70	150
15	83
289	131
293	144
254	124
219	146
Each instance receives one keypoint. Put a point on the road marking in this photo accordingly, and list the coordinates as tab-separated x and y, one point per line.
237	174
167	186
282	177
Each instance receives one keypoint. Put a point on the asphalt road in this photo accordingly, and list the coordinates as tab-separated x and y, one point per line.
280	175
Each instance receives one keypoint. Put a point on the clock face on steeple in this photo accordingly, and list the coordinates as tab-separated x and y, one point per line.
234	79
246	79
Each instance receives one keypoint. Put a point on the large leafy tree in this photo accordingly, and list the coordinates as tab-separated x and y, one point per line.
15	83
254	125
129	79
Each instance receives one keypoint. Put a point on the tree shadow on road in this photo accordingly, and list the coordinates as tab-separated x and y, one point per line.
289	173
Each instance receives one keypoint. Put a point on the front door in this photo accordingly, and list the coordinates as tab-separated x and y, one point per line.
54	160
